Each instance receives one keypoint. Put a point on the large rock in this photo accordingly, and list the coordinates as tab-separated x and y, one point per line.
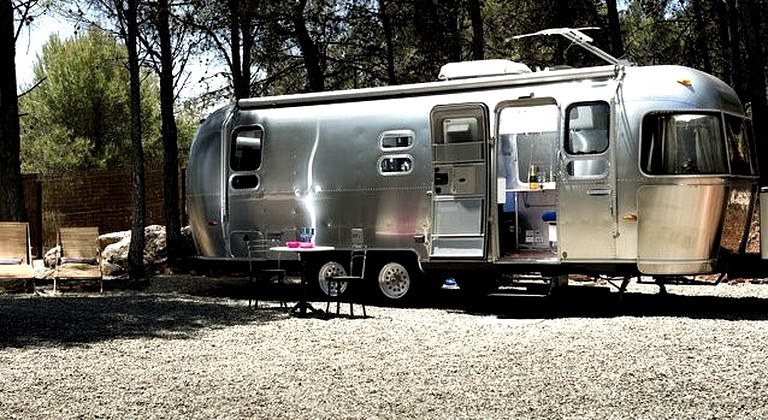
49	259
115	255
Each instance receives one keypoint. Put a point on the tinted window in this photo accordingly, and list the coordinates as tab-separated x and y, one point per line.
245	150
739	141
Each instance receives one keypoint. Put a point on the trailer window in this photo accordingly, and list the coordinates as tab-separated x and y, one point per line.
396	140
459	132
395	165
245	150
676	143
587	128
739	140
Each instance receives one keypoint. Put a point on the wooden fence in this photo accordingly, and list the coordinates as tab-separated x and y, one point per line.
94	198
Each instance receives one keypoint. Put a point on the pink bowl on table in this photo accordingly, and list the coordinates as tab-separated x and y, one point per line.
293	244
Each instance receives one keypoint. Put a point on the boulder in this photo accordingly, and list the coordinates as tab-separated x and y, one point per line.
115	255
108	239
49	259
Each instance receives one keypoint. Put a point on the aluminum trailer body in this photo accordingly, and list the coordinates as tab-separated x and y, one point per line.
613	169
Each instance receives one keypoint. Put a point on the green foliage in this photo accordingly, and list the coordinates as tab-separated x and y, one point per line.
187	121
655	34
78	117
351	36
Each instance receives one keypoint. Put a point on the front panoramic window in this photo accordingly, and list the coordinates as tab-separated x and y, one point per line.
682	143
739	140
245	150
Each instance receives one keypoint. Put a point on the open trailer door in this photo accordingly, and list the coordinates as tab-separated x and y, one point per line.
460	188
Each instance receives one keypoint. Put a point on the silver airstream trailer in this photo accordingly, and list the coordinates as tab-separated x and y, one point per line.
616	170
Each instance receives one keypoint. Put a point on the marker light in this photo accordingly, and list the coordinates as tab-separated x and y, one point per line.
685	82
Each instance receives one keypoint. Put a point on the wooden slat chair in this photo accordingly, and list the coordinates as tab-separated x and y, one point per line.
79	256
15	254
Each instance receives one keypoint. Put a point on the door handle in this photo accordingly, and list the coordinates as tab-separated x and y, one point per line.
441	179
599	191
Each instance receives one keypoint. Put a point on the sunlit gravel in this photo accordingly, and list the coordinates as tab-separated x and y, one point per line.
187	348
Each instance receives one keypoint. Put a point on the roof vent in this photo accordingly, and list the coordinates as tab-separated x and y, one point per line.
479	68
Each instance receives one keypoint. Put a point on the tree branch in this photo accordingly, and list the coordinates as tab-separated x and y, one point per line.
33	87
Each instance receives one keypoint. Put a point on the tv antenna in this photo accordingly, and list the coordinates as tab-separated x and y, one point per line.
579	38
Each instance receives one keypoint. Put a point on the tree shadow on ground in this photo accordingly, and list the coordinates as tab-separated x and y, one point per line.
79	320
603	302
177	308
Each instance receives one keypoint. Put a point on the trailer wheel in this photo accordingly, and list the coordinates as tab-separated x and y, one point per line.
395	281
331	268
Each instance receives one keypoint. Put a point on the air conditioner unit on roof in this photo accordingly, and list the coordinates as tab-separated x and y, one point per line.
479	68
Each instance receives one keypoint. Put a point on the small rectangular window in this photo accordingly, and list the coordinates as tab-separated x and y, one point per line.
465	123
245	149
395	165
461	130
587	168
587	128
396	140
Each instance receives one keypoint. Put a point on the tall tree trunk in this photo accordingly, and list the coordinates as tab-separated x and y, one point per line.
239	84
614	29
478	33
386	24
702	43
309	50
721	17
12	206
170	136
562	16
246	26
430	38
452	10
138	216
757	85
737	75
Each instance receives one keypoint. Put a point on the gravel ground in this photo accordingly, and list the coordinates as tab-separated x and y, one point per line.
191	348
